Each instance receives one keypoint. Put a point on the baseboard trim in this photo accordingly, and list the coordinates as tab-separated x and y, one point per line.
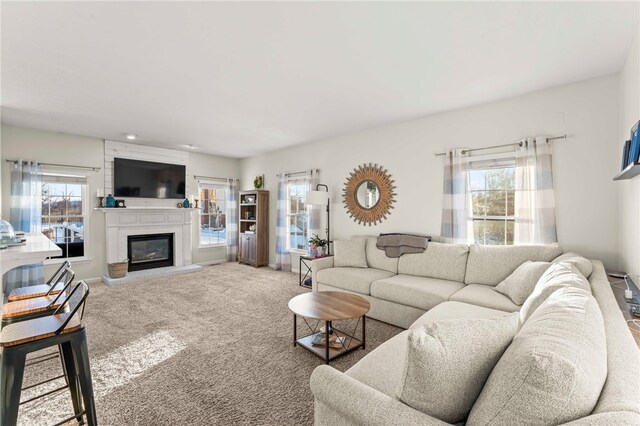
212	262
168	271
94	280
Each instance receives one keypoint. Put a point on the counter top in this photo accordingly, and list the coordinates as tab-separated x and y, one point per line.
37	248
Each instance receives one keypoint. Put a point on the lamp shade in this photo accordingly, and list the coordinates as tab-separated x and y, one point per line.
317	198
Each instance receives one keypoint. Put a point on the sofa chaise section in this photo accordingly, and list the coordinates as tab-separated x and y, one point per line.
365	394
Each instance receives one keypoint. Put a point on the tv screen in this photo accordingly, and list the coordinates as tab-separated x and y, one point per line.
146	179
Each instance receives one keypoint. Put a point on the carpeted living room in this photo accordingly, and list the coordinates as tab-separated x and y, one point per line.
328	213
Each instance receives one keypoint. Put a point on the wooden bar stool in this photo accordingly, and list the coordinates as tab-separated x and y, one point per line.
62	329
24	309
51	287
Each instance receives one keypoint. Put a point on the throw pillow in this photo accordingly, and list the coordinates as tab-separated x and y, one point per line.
559	275
583	264
553	371
349	253
448	361
520	284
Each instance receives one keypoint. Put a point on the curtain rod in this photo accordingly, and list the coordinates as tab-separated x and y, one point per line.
68	166
196	177
438	154
303	172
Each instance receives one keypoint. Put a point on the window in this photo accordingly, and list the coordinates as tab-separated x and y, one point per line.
64	216
492	190
213	215
297	223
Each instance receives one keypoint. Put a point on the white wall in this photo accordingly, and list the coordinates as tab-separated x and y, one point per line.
629	190
50	147
209	165
584	164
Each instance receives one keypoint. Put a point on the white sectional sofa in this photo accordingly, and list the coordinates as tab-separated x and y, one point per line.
456	282
401	290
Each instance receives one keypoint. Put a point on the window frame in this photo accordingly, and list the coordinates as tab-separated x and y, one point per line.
509	162
217	186
86	216
304	183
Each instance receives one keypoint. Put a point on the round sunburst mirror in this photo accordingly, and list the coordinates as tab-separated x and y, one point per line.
369	194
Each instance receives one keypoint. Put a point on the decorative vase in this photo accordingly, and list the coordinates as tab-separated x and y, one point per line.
109	201
185	203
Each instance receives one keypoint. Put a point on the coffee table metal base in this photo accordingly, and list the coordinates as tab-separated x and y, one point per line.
326	352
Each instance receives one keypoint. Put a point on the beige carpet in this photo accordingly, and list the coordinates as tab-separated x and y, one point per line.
212	347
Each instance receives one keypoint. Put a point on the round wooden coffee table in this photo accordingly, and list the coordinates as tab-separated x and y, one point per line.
329	306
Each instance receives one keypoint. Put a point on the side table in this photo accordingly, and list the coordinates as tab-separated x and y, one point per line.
305	261
627	307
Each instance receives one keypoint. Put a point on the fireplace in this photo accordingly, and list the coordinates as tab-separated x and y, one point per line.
149	251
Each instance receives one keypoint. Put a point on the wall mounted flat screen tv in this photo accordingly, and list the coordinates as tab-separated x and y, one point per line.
146	179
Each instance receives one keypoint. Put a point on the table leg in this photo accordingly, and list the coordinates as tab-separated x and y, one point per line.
364	336
300	270
327	327
295	330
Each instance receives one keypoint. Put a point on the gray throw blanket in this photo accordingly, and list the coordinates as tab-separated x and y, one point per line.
395	245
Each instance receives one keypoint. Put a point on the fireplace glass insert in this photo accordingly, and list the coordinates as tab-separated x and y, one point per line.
150	251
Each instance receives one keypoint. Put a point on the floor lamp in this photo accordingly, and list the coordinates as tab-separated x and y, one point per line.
321	198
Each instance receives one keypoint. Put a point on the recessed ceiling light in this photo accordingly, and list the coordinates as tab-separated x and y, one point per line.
190	146
130	136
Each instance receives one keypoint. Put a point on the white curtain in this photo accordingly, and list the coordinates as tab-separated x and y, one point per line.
232	220
535	220
457	226
25	215
283	261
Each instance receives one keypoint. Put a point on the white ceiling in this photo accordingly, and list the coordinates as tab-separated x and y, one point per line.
239	79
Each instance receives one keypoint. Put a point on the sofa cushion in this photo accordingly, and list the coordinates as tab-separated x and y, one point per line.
381	369
349	253
554	370
443	261
491	264
557	276
377	258
457	310
440	378
520	284
583	264
419	292
484	295
357	280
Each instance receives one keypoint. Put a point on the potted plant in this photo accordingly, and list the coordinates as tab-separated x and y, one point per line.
315	242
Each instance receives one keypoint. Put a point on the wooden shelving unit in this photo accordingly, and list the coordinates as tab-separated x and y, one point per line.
630	171
254	245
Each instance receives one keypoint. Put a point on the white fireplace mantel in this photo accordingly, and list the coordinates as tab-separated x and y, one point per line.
122	222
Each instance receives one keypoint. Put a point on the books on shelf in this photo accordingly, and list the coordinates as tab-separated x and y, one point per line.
335	342
634	149
625	154
631	148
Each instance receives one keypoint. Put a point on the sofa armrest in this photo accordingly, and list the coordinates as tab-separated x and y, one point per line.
317	265
357	403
